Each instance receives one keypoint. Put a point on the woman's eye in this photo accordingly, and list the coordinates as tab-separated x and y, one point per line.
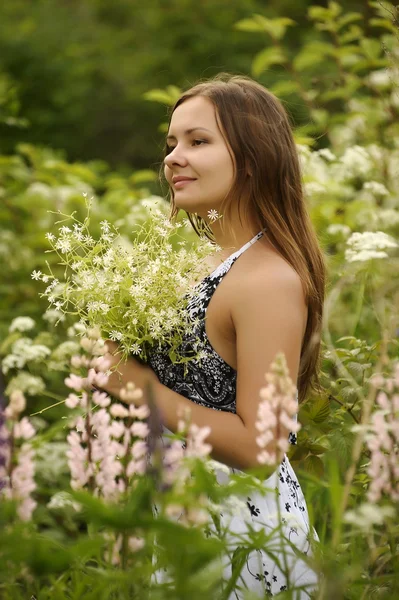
170	149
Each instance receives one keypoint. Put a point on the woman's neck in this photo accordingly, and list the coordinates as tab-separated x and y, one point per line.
232	238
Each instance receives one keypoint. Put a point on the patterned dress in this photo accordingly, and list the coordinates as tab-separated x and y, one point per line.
280	510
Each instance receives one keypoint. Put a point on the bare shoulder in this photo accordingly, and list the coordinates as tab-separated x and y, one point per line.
265	272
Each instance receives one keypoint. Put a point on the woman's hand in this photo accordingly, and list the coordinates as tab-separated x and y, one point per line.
127	371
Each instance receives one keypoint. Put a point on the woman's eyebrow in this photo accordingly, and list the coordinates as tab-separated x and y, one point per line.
188	131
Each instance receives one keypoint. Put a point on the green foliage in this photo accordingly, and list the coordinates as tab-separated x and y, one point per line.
337	73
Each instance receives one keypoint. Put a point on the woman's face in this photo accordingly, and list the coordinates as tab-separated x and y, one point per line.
197	151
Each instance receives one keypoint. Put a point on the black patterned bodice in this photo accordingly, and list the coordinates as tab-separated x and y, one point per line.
208	380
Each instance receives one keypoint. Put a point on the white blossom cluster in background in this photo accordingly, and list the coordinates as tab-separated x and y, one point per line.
361	181
368	245
136	293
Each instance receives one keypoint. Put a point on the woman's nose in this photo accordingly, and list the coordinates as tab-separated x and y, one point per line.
175	157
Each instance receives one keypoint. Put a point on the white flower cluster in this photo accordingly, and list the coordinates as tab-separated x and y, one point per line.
356	161
136	293
23	351
368	245
21	324
27	383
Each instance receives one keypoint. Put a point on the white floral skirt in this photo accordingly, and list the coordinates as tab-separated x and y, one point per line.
280	510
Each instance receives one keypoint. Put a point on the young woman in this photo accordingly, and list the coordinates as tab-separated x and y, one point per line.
230	149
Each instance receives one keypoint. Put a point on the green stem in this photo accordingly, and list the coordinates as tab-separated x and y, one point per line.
359	305
39	412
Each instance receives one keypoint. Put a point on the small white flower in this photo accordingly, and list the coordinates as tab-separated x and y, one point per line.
21	324
314	187
63	245
52	316
368	245
376	188
213	215
380	79
105	226
115	336
338	229
356	161
50	237
135	349
327	154
36	275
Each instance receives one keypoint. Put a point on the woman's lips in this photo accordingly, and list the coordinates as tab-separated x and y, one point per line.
182	183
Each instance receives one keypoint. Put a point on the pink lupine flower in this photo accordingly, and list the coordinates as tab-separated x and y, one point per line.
383	440
136	543
77	461
78	361
118	410
174	511
140	429
88	344
72	401
276	413
101	379
174	453
136	467
117	429
75	382
22	482
142	412
100	363
24	429
130	393
16	405
4	451
195	446
139	449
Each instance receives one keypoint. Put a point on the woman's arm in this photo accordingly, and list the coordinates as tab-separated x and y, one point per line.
269	316
226	428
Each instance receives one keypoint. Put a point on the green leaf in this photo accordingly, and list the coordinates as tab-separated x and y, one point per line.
354	33
312	54
143	176
384	23
313	465
161	96
250	25
266	58
285	88
317	449
6	344
276	28
319	410
174	92
318	13
348	18
320	116
299	453
341	443
371	48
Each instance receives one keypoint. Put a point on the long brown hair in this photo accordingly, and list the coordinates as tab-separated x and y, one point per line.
268	189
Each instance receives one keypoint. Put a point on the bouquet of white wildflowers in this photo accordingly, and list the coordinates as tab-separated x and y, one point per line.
135	291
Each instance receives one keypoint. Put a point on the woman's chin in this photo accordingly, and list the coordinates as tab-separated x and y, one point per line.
187	204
